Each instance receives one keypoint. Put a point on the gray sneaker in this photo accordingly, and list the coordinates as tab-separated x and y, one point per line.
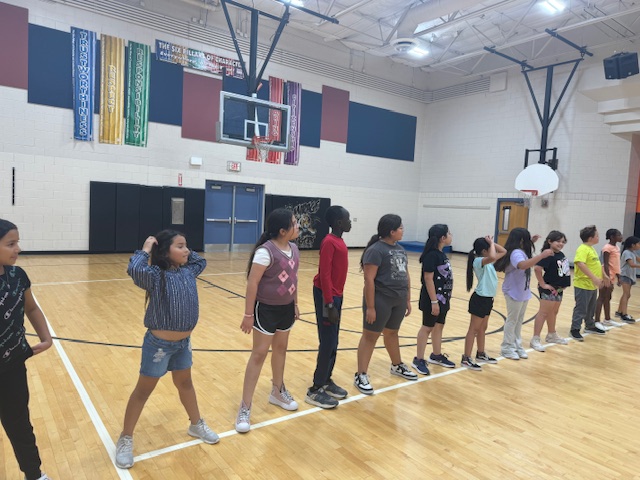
320	398
124	452
335	391
202	431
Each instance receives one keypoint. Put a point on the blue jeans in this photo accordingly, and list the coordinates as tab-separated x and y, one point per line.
328	337
585	308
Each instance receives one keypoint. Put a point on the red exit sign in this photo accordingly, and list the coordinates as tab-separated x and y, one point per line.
233	166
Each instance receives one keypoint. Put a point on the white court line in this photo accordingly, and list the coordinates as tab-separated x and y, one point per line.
180	446
86	400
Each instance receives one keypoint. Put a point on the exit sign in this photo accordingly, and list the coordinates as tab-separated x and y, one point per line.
233	166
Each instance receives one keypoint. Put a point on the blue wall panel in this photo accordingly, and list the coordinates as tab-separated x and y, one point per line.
49	67
381	133
310	119
165	92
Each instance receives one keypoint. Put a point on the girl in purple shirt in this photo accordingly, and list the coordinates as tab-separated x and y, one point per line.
516	265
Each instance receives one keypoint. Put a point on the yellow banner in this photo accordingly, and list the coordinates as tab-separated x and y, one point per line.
111	89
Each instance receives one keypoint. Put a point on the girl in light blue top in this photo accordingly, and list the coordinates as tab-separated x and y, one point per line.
480	262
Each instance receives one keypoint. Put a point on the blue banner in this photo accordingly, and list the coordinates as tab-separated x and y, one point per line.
83	47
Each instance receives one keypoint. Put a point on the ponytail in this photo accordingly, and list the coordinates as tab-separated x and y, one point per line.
479	244
279	219
386	225
436	232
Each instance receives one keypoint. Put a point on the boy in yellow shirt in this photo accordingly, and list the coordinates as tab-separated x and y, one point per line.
588	278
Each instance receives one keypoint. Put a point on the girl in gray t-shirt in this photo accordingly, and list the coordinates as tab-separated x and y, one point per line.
387	299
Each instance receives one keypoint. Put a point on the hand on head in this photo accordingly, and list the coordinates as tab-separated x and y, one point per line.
149	243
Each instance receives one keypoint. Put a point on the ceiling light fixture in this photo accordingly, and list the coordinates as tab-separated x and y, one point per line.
554	6
295	3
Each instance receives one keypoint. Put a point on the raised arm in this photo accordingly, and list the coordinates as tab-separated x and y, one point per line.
195	264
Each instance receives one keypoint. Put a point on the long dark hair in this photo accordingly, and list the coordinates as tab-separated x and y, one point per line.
436	232
479	245
5	227
159	257
519	238
386	225
629	241
278	219
554	236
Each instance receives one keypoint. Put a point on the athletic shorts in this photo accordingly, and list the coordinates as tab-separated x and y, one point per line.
429	320
269	319
389	313
480	306
549	296
627	280
161	356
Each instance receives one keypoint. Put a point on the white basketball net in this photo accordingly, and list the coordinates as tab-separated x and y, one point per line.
262	145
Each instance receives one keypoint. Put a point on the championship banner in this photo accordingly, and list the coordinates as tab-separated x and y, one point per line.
137	122
294	100
276	92
198	60
111	89
83	61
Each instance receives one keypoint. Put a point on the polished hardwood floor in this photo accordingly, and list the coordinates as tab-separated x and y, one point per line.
570	412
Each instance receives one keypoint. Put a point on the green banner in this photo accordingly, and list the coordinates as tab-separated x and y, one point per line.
137	121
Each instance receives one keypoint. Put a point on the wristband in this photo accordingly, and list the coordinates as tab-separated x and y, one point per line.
248	315
434	302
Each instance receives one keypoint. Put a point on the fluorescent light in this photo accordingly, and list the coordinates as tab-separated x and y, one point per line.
554	6
295	3
419	52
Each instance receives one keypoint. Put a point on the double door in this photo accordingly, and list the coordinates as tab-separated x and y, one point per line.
233	216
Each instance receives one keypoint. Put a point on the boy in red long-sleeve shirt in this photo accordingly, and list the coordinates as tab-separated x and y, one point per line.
328	286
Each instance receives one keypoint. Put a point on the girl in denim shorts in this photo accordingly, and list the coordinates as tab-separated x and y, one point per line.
554	277
171	316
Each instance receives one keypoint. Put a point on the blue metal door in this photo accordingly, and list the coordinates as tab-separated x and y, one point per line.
247	216
233	216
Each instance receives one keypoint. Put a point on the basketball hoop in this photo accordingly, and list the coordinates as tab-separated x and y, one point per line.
262	146
529	194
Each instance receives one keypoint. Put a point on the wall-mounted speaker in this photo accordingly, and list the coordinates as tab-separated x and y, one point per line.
621	65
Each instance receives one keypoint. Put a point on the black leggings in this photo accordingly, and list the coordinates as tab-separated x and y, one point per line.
14	414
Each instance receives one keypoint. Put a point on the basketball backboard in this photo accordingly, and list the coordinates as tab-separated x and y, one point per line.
243	117
538	178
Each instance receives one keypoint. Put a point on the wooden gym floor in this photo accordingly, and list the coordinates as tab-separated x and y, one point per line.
571	412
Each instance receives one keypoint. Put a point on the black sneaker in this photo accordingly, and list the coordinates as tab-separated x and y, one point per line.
618	314
467	362
320	398
595	330
483	357
575	334
335	391
627	318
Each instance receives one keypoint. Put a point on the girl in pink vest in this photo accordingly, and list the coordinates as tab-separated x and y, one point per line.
271	308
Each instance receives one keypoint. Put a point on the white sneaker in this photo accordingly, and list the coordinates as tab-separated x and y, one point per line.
555	338
511	355
535	344
361	382
521	353
601	326
282	398
124	452
243	423
202	431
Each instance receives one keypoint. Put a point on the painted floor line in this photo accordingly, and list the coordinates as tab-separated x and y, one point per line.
86	401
